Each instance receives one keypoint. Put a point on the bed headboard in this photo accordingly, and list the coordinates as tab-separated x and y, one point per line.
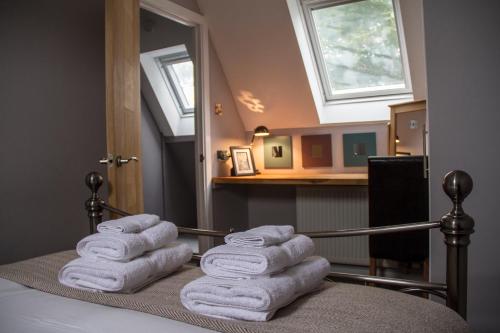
456	227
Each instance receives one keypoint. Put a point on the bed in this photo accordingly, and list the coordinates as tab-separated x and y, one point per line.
31	299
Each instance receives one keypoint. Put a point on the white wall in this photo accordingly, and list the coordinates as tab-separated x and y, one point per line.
413	25
227	129
337	148
463	67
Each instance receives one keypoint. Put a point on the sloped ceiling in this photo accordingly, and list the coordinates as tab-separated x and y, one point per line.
258	49
260	55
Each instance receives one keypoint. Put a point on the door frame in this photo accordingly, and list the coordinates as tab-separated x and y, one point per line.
203	169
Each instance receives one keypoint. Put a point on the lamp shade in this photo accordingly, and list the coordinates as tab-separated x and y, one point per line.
261	131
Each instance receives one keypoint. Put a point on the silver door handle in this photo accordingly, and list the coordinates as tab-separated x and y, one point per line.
120	161
107	160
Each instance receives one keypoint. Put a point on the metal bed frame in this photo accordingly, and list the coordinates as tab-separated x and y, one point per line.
456	227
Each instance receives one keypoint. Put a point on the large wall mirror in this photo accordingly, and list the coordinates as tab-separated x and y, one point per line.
172	123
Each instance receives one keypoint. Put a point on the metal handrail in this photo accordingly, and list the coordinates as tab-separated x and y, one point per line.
313	234
374	230
388	281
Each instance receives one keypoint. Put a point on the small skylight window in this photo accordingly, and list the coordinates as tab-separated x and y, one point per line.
178	70
169	84
358	49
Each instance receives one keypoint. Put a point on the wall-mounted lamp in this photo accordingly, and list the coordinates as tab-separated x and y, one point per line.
223	155
397	139
259	131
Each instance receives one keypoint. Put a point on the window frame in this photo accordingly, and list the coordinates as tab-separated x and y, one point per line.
371	93
172	84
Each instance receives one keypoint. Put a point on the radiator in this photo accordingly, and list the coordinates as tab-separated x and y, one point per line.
335	207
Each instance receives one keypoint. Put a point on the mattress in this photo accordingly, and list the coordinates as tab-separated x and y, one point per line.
24	310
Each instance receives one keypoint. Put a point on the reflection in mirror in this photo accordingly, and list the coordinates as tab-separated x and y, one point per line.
168	108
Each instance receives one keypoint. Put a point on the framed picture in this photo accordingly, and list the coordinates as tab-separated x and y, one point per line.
278	152
243	163
316	151
357	148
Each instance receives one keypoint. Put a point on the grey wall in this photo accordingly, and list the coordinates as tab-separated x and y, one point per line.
463	67
52	121
152	164
179	183
165	33
271	205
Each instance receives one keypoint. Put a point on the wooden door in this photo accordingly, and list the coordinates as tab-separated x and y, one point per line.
123	115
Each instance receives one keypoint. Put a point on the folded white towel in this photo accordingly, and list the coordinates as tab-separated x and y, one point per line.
129	224
104	275
231	262
263	236
123	246
255	300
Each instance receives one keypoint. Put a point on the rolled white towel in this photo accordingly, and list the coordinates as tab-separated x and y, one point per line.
254	300
129	224
263	236
231	262
123	246
112	276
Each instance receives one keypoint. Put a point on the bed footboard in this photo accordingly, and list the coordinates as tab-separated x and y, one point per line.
456	227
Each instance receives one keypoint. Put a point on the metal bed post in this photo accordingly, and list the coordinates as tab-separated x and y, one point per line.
457	227
93	205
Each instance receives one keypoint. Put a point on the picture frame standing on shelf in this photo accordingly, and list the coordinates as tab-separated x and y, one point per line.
243	162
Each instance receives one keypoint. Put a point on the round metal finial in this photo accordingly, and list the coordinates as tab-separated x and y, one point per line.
457	185
94	181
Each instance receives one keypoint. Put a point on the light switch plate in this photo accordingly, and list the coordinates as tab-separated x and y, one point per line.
413	124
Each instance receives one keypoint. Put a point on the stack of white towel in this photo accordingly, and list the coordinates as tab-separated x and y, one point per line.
125	255
254	274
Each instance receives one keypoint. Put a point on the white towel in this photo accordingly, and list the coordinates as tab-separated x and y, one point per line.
255	300
122	246
129	224
231	262
263	236
112	276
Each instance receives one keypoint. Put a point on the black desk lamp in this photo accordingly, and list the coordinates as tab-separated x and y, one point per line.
259	131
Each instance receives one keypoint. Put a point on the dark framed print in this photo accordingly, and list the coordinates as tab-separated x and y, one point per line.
243	162
357	148
317	151
278	152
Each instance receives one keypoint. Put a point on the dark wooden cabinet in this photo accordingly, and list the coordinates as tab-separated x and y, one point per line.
398	193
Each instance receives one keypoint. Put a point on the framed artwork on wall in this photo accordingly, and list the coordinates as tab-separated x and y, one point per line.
316	151
243	162
357	148
278	152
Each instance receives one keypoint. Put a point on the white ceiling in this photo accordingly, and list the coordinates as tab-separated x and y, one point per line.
258	50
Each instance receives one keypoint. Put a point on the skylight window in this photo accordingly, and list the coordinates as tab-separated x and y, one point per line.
178	70
169	84
357	47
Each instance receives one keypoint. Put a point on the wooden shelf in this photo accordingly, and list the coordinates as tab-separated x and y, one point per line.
297	179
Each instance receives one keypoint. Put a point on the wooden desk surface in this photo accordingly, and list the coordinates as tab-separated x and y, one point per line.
297	179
